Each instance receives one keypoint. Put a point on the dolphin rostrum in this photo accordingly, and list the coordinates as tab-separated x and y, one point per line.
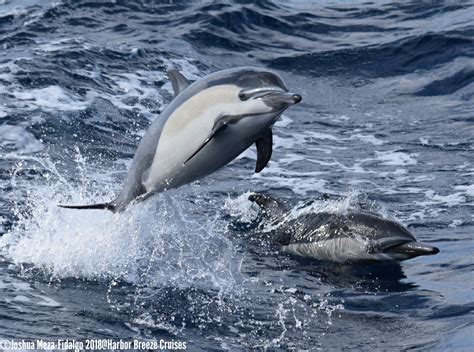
351	237
207	125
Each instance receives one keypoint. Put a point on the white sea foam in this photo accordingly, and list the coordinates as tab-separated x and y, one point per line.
283	122
62	44
25	9
24	294
242	208
137	85
394	158
367	138
468	189
131	90
456	223
322	136
449	200
299	182
52	98
424	140
16	138
284	143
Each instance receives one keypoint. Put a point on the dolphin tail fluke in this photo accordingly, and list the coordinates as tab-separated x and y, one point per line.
414	249
108	206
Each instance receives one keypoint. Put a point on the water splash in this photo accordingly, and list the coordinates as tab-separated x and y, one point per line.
242	208
155	243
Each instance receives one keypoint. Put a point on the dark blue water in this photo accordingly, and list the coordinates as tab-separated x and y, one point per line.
387	119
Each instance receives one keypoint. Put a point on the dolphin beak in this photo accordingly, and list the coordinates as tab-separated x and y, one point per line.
281	98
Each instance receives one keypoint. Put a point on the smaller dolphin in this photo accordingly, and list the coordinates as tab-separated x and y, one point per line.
353	237
207	125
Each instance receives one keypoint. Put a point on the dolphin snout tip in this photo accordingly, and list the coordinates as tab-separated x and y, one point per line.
296	98
281	98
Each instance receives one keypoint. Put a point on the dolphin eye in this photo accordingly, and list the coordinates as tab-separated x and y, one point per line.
243	96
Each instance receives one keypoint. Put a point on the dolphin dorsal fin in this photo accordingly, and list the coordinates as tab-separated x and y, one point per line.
264	150
178	81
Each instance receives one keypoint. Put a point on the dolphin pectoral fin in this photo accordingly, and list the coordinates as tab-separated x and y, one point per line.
178	81
264	150
199	149
219	125
108	206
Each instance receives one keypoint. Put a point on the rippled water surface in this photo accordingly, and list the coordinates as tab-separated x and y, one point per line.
386	120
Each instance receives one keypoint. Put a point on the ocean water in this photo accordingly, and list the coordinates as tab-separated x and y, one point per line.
387	120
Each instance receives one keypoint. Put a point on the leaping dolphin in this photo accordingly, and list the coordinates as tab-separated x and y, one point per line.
352	237
207	125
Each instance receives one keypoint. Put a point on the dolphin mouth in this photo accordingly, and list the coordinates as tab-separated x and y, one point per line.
280	98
